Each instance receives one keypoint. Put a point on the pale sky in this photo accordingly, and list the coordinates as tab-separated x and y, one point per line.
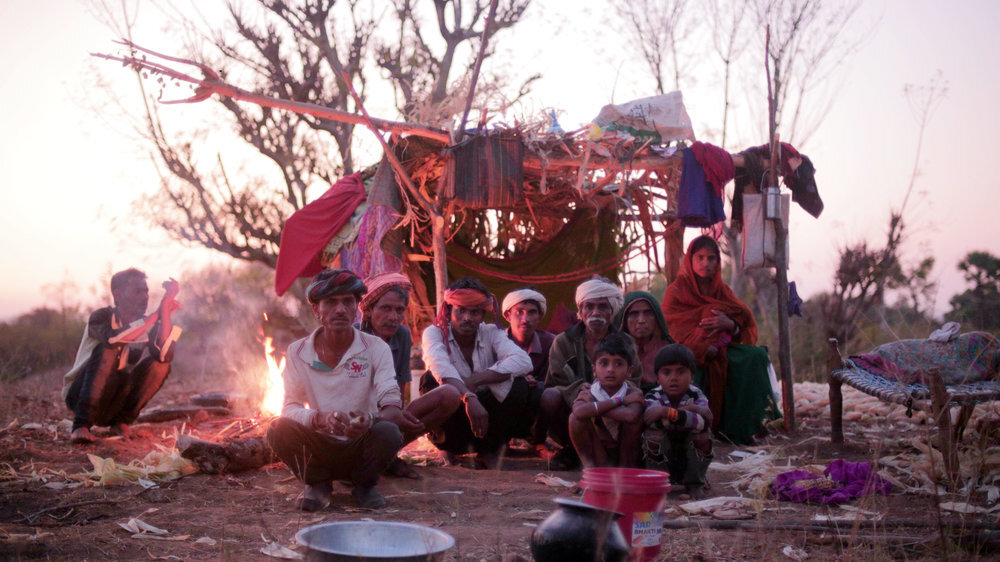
65	176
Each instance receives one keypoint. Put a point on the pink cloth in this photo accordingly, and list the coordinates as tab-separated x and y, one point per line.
309	229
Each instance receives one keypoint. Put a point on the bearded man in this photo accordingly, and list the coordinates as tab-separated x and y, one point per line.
571	358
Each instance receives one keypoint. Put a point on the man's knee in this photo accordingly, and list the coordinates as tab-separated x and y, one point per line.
551	400
387	434
577	425
282	430
446	397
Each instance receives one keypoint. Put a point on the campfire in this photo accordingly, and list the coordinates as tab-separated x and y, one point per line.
274	390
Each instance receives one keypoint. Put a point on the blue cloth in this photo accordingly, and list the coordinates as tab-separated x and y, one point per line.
794	301
697	203
400	344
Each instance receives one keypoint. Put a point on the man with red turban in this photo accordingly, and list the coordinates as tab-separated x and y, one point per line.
484	365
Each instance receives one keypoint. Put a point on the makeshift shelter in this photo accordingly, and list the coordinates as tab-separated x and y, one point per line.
520	206
564	205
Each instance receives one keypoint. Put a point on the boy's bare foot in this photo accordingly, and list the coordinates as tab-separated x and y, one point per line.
82	436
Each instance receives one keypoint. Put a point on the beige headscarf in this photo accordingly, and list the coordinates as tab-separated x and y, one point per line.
515	297
600	289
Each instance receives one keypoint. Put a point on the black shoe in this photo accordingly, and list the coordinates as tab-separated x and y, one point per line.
487	461
368	497
314	497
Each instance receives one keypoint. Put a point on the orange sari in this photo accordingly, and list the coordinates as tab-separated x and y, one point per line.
684	306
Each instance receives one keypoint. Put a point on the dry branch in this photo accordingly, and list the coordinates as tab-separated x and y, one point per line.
213	84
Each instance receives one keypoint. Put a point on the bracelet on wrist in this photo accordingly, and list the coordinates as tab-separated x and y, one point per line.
468	396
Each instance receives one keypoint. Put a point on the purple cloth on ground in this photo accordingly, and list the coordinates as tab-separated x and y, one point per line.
856	479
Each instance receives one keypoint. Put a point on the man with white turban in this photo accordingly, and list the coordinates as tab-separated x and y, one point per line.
524	309
598	300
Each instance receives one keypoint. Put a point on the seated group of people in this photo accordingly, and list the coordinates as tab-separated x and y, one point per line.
613	389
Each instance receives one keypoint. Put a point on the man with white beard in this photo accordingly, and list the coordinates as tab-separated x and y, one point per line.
598	301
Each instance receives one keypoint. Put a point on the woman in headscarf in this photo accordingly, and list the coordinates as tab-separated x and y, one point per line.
705	315
641	317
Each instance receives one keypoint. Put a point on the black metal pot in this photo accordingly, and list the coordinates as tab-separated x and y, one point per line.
579	532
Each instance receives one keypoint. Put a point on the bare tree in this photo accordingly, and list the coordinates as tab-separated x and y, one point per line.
422	76
657	29
866	273
311	51
729	38
809	41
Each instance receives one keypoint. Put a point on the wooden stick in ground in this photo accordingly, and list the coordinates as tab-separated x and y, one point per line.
438	223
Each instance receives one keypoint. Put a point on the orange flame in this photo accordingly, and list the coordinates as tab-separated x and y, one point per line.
274	385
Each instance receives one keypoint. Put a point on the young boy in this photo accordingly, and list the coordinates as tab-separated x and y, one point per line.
678	435
606	421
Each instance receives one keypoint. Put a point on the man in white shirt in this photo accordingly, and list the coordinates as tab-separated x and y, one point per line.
484	365
342	417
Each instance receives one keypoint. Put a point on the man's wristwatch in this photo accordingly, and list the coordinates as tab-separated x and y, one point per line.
468	396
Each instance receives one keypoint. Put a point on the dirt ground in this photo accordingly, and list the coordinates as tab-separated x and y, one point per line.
50	508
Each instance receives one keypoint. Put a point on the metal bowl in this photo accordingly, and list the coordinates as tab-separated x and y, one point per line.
373	540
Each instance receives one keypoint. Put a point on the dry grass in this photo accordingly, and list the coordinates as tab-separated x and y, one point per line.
493	513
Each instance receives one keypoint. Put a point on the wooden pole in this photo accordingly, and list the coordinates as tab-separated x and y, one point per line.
780	256
439	234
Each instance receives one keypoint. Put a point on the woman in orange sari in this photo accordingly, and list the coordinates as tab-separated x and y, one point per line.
703	313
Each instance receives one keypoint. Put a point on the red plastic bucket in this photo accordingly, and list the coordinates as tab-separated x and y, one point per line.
636	493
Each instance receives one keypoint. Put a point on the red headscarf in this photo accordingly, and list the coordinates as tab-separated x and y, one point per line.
469	298
685	305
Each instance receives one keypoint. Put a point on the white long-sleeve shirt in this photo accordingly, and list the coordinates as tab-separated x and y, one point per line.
364	379
493	350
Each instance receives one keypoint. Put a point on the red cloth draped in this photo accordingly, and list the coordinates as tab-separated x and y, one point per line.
716	163
309	229
685	305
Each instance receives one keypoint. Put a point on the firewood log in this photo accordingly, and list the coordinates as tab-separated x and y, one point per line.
235	456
